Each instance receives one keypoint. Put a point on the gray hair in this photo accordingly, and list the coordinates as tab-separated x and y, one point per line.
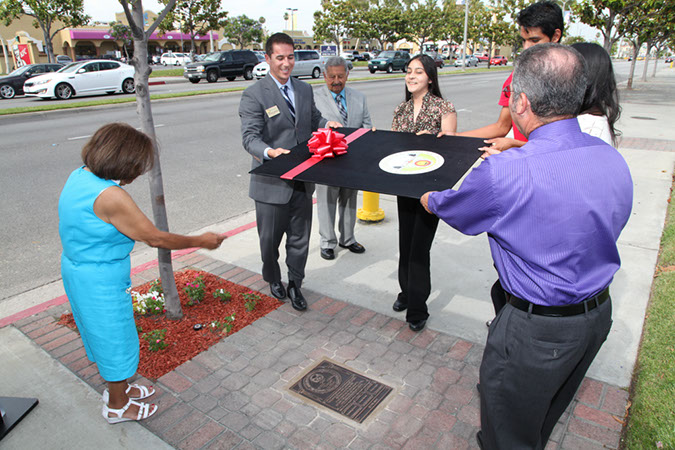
553	77
337	61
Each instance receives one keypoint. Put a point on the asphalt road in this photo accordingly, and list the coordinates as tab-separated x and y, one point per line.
180	84
204	166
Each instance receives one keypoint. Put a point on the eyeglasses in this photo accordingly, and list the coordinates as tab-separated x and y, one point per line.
507	91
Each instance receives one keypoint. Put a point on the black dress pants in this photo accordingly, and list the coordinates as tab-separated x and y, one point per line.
416	230
532	367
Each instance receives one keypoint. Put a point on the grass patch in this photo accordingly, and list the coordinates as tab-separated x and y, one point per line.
652	414
167	73
53	105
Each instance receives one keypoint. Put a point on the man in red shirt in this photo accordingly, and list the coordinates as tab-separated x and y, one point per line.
540	22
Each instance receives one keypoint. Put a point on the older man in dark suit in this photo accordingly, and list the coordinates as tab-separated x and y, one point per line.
277	113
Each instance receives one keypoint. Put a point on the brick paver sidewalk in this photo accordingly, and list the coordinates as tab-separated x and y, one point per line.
235	394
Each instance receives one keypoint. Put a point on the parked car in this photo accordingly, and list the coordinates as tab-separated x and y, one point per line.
308	63
482	58
86	77
498	61
260	55
470	61
229	64
353	55
669	59
438	59
12	84
389	61
63	59
174	59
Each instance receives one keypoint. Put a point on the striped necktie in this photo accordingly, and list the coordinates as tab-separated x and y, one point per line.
341	108
289	103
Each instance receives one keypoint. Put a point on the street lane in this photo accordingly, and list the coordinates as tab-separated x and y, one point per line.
204	166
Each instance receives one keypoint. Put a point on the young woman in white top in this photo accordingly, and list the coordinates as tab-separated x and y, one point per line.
600	109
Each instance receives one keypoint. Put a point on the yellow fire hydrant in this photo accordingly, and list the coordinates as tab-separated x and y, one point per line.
371	211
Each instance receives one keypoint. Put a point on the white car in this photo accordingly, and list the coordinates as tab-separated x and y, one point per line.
308	63
471	60
174	59
81	78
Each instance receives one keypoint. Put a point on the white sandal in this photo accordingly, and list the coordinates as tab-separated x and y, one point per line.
144	390
145	410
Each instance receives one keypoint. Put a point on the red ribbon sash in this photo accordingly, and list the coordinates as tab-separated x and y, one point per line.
325	143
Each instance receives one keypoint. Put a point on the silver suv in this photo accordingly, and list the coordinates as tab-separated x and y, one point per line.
307	63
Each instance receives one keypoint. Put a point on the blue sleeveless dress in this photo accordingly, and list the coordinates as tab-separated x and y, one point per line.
95	267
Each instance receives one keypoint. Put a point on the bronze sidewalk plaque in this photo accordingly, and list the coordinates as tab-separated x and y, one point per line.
342	390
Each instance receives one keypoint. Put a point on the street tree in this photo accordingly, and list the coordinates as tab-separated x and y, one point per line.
491	28
242	30
644	23
133	10
194	18
50	16
385	24
605	15
121	32
425	22
335	21
452	22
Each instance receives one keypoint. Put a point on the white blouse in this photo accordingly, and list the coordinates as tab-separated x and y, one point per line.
595	126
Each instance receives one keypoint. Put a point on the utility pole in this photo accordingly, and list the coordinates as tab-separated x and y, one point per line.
466	28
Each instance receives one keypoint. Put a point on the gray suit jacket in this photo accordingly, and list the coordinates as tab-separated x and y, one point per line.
260	131
357	109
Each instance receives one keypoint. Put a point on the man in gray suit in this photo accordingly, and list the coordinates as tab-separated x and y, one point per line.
345	105
277	113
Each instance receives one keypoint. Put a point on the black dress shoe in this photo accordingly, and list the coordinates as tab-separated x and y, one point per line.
479	439
417	326
277	289
354	248
297	300
400	305
327	253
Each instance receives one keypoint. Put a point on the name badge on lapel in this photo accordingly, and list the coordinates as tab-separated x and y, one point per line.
273	111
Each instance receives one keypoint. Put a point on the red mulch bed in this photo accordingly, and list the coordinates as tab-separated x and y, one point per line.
184	343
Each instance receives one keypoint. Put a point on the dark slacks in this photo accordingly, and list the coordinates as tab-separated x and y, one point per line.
416	230
294	219
531	369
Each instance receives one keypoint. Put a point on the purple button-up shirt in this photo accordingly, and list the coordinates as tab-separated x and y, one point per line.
553	210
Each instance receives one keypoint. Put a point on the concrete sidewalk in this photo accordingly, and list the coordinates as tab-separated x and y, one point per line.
234	396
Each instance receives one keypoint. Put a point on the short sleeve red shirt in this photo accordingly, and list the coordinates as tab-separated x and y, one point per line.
504	101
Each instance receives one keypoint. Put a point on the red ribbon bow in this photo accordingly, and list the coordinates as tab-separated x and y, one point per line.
326	143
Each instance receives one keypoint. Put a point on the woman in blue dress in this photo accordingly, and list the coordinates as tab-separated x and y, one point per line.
98	224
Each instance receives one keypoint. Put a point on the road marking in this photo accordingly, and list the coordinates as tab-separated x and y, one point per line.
463	109
89	135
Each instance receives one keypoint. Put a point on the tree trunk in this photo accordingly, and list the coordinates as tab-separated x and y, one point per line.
644	70
48	43
144	110
607	33
658	49
631	73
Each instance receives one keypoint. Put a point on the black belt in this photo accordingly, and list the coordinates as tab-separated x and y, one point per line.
559	311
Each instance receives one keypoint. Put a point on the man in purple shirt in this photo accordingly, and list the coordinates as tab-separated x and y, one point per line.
553	210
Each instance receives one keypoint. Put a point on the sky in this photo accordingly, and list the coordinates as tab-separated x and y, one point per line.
272	10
